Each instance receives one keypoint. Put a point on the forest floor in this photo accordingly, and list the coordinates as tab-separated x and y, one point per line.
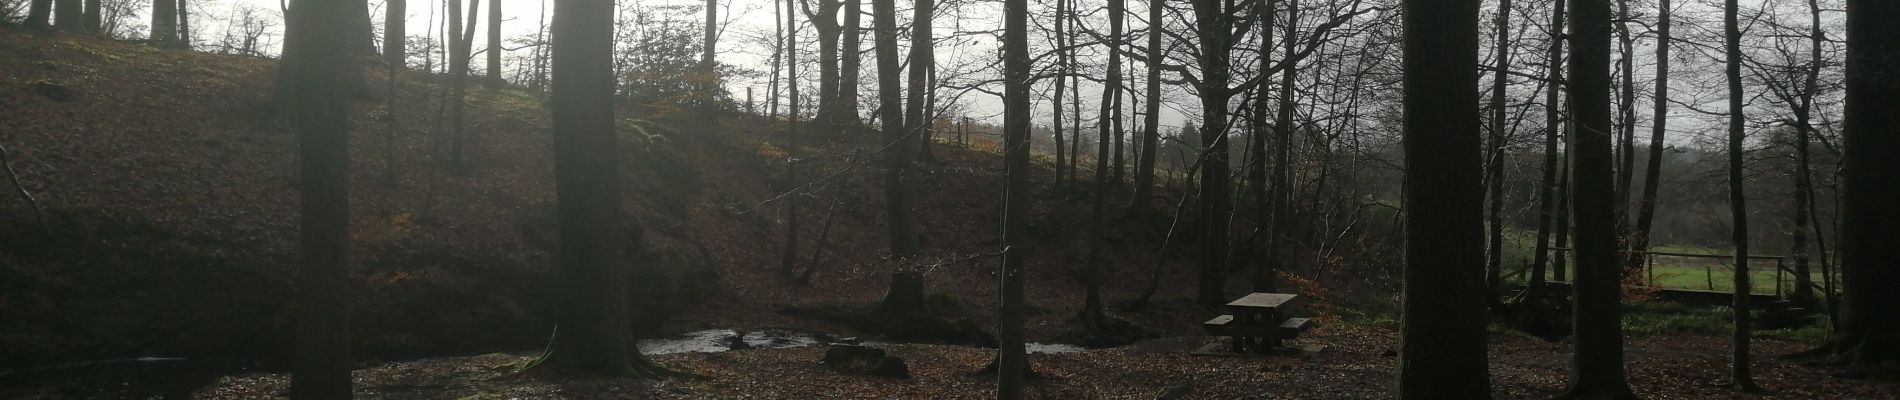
170	199
1357	362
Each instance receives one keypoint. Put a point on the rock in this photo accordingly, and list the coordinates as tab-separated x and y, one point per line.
737	342
844	354
891	367
866	360
1389	353
54	90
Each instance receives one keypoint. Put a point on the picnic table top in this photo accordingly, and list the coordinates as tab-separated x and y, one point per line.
1263	300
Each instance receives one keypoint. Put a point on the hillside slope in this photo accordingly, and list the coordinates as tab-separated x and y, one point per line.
171	206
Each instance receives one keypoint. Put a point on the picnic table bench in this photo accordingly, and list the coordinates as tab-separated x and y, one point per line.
1256	324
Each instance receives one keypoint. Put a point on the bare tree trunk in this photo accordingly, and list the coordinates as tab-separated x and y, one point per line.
494	45
1138	205
825	21
1738	201
850	49
1011	359
1262	270
38	14
790	259
1625	119
1646	211
1546	211
1870	329
67	16
1213	24
164	23
1597	368
1442	328
1282	200
906	294
315	33
395	40
1494	165
184	25
593	335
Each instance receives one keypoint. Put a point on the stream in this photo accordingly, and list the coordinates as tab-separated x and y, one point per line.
176	378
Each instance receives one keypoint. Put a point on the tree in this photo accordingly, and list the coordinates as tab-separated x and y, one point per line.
1870	325
1652	174
790	258
1011	359
922	59
67	16
461	43
1442	321
825	21
1111	115
494	45
1738	201
1546	208
708	66
906	294
315	34
37	14
395	31
592	334
184	24
165	23
1138	206
1597	366
1494	164
1213	25
851	59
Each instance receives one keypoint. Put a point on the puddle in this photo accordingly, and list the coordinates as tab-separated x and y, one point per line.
719	340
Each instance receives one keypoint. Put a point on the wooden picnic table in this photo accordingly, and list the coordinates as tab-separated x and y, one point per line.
1255	323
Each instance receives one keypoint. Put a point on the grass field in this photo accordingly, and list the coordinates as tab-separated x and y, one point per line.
1674	272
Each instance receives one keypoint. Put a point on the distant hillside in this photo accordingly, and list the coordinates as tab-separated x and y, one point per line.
171	206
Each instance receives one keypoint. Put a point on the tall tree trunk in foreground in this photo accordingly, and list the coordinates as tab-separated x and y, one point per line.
494	45
395	40
1546	208
790	258
592	334
1737	200
315	33
1138	206
900	190
1442	323
164	23
1011	360
1870	324
1597	367
1494	165
1646	210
